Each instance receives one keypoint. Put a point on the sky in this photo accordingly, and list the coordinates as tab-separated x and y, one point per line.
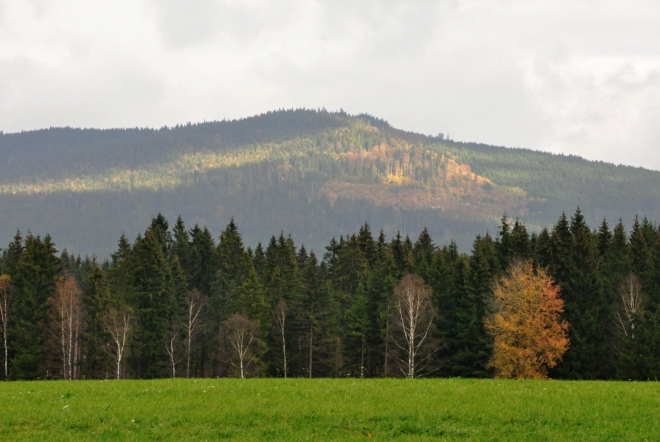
576	77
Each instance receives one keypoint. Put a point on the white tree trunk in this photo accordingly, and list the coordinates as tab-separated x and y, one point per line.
414	320
280	318
4	317
195	306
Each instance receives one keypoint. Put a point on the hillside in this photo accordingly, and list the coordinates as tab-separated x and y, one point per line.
312	173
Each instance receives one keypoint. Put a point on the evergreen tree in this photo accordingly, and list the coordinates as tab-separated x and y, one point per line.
521	246
367	244
96	300
471	340
586	306
33	278
382	281
259	260
181	246
151	302
423	249
504	242
202	260
317	324
357	333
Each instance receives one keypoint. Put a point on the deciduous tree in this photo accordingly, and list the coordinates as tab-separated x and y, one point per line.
118	323
280	314
412	320
5	284
66	323
529	336
244	345
195	303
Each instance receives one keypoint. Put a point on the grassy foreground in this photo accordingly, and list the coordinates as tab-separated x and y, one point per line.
329	409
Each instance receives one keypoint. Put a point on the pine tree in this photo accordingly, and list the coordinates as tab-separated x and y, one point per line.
382	281
521	247
586	305
641	253
181	246
203	260
318	322
504	242
448	285
367	244
152	282
95	299
259	260
231	271
34	277
472	342
423	249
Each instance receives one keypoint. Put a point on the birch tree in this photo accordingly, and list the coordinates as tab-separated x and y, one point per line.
118	324
5	284
244	344
194	305
629	307
66	321
280	313
412	321
172	348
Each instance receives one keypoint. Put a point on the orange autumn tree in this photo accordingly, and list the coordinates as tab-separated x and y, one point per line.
529	336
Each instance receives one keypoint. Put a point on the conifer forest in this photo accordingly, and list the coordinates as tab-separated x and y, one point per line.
181	301
311	173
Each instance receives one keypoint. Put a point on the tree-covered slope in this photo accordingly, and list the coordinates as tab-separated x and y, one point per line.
311	173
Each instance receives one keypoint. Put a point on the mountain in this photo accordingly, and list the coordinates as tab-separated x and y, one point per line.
315	174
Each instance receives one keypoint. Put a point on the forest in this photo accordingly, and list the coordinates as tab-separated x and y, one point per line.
178	301
313	173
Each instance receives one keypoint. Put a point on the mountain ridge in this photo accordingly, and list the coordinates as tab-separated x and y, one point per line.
315	174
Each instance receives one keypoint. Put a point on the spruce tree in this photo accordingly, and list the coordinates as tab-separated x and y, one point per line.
472	343
357	333
33	278
380	288
96	300
423	249
151	301
203	260
586	306
318	322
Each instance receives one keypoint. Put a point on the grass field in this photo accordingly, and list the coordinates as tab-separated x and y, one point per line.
329	409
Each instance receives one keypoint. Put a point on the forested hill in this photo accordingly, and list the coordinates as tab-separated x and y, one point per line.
314	174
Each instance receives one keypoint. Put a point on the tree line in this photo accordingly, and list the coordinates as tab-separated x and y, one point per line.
177	302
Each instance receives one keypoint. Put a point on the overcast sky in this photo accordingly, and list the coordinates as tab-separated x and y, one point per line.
579	77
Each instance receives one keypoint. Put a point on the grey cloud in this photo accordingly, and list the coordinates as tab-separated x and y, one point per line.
187	22
33	91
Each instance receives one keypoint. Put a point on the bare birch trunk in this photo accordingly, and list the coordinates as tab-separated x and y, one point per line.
65	321
241	335
413	319
4	317
195	306
311	342
118	325
4	335
387	341
280	319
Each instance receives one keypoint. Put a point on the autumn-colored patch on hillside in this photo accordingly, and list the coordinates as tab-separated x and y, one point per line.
414	177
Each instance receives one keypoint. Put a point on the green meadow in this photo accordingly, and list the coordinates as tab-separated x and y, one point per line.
329	409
